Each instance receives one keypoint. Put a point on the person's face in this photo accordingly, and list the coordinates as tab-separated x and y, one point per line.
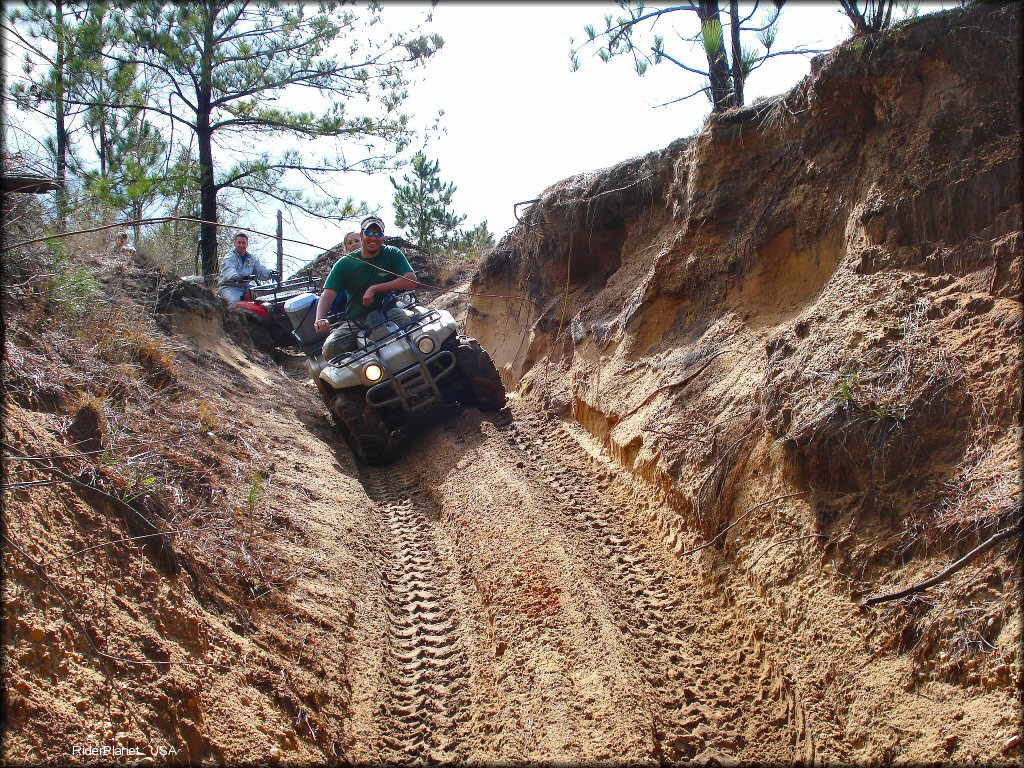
241	244
352	242
373	239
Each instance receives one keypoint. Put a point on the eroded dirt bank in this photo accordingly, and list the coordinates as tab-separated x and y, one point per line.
502	593
802	326
784	377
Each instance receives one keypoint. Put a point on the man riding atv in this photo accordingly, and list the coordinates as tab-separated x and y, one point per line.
261	305
365	274
238	269
391	361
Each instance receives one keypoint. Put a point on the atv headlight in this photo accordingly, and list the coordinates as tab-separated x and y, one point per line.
373	372
425	344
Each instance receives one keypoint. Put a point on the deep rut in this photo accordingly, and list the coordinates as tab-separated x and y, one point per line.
546	616
712	694
423	702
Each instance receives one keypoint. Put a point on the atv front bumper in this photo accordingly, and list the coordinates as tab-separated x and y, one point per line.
415	389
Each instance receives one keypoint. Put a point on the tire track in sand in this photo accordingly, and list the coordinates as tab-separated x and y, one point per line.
713	696
424	696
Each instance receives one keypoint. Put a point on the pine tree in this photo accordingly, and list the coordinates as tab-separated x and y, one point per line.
728	62
422	206
47	34
221	66
131	149
472	243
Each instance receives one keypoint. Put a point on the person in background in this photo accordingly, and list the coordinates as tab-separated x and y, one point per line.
353	241
374	269
122	245
238	269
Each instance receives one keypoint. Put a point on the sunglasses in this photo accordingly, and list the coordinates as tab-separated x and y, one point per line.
372	233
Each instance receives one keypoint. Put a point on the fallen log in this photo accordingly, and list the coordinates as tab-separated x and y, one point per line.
28	184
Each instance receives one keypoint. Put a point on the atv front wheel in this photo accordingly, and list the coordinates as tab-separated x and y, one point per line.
482	378
370	438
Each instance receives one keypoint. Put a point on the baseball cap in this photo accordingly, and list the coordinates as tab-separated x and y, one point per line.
371	220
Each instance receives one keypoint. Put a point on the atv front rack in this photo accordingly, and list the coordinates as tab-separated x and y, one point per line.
278	293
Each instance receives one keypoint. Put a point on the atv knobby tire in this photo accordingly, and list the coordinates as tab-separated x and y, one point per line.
481	377
370	438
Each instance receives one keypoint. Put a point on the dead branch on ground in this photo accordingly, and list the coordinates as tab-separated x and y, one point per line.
974	554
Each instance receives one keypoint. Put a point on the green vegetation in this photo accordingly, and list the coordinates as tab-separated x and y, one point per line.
475	242
847	388
150	102
257	488
729	61
423	207
734	41
71	289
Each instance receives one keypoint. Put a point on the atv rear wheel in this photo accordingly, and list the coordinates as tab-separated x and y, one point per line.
262	335
487	392
370	438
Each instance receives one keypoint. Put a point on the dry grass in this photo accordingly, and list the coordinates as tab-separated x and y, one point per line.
448	268
123	340
875	413
209	418
21	219
133	424
171	247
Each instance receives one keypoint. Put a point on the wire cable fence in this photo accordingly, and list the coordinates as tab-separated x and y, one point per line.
332	250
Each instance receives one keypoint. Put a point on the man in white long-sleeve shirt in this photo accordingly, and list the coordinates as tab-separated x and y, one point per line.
238	268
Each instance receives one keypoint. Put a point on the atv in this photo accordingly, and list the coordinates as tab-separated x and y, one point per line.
409	361
263	305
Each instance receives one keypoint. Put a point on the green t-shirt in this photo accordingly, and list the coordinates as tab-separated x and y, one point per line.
355	274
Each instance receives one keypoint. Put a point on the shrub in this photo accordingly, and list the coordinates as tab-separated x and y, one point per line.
72	291
209	419
88	423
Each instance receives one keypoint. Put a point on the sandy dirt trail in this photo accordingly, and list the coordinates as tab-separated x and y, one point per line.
503	592
516	601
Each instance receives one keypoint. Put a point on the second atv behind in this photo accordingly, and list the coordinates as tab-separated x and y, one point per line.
409	361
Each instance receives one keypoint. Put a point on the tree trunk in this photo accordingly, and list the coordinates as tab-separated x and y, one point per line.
59	117
875	17
137	212
207	197
737	53
204	136
718	64
104	149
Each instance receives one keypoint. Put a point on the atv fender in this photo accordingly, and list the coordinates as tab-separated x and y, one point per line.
340	377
